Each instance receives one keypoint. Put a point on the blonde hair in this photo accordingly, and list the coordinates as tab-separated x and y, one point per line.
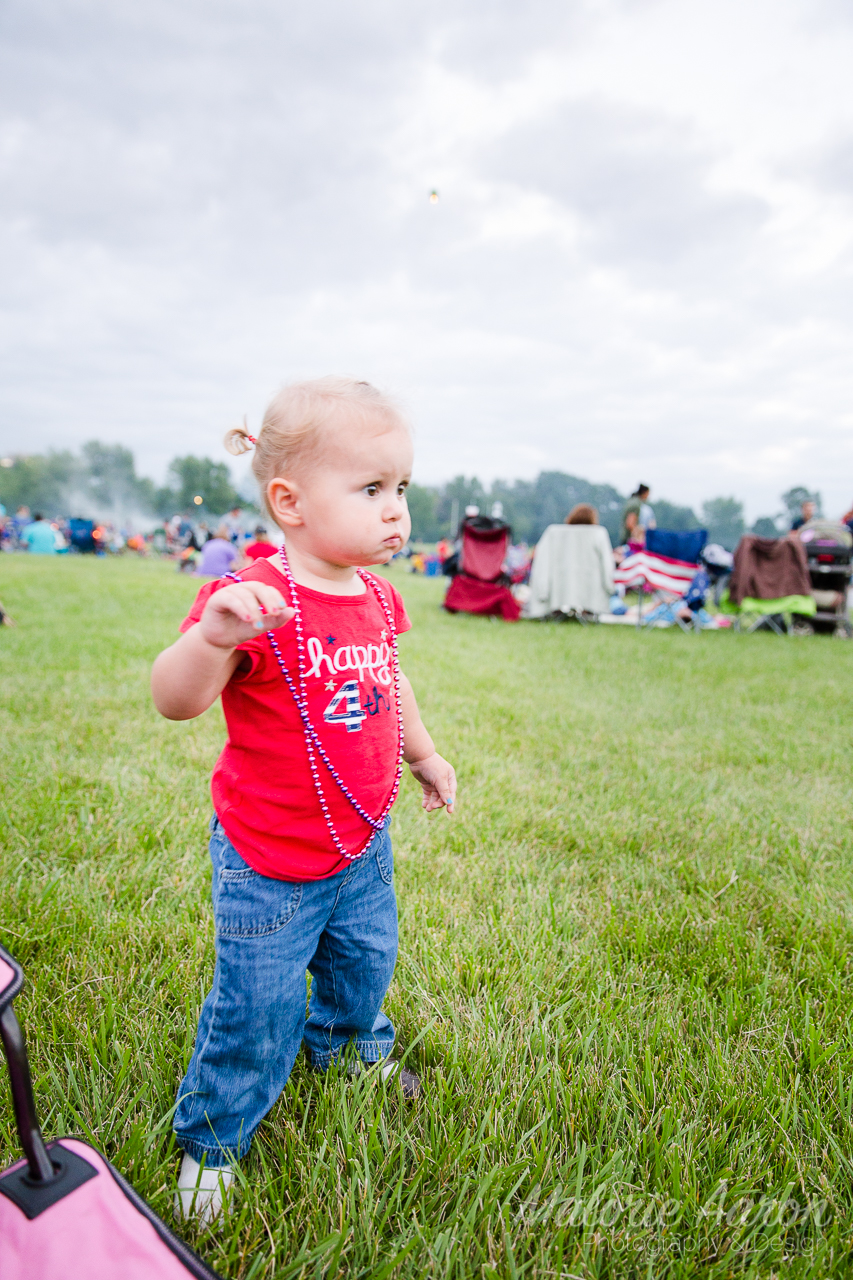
297	419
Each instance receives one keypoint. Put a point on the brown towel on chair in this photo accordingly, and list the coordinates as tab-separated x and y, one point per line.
768	568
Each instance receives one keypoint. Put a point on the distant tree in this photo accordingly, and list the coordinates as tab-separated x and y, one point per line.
423	504
519	504
766	527
555	493
794	500
723	518
466	492
670	516
204	478
528	505
42	482
103	480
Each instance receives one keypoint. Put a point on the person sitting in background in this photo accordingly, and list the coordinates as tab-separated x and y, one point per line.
218	556
39	537
582	513
808	510
260	547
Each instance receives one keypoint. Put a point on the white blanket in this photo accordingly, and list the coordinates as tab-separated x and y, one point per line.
572	571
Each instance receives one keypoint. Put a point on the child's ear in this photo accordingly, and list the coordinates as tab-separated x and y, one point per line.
283	501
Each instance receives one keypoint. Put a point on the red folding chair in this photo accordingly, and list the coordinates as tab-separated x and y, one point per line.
481	586
65	1212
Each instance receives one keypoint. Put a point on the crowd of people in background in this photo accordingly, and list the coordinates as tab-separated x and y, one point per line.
638	520
638	517
209	549
205	549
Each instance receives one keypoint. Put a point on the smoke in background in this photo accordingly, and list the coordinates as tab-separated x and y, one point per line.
101	484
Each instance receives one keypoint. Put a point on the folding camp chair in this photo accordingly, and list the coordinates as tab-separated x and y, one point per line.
80	534
480	585
65	1212
667	566
785	615
770	587
572	574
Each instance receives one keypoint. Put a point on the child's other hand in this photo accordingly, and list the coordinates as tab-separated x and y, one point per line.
239	613
438	780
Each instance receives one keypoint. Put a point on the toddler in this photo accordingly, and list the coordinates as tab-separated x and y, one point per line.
302	646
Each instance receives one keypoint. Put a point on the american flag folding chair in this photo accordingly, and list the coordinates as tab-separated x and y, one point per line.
668	576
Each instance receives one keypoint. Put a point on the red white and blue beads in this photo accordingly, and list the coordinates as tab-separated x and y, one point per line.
313	744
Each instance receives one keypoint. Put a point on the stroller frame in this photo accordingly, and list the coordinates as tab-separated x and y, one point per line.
830	568
52	1171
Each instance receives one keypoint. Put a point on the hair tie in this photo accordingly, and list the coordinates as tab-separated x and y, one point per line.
252	438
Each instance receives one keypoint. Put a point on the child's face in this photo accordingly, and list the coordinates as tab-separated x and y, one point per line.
350	507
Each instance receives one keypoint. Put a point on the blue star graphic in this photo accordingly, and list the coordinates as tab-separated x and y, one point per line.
331	640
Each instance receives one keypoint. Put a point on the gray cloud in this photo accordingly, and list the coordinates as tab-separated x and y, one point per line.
200	200
638	181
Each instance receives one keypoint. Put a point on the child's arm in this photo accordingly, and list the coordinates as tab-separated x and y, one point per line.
434	774
189	676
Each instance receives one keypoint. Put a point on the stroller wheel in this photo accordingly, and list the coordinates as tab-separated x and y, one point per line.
843	631
802	628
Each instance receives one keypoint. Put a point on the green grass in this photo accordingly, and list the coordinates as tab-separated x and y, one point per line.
624	970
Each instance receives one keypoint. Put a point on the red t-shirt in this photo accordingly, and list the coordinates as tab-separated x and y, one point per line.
263	791
257	549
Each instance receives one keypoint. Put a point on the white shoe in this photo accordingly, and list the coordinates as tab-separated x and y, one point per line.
202	1193
407	1080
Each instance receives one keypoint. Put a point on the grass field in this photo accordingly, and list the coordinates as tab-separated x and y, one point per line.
624	970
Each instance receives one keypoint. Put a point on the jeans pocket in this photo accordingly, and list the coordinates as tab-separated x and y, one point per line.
249	905
245	903
385	859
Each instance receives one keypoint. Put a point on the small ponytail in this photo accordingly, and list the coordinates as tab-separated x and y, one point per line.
238	440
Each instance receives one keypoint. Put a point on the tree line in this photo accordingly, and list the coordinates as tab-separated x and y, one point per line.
531	505
103	479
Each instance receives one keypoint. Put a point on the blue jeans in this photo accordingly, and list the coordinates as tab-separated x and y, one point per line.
343	931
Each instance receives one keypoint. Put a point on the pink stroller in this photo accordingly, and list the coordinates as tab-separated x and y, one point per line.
65	1212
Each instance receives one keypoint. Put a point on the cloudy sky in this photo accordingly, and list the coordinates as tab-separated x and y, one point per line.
639	266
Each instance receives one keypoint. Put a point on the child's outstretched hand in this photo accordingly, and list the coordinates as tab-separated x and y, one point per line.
438	780
238	613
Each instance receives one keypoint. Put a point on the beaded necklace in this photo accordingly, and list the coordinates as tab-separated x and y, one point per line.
313	744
